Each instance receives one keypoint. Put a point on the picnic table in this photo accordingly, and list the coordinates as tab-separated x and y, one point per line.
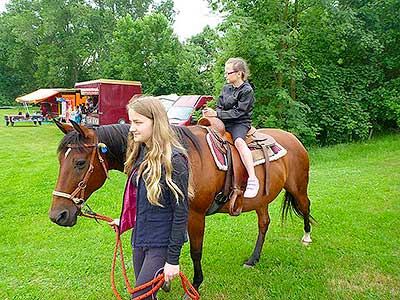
19	118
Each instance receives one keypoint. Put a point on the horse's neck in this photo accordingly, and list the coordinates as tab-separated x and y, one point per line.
116	139
115	165
116	159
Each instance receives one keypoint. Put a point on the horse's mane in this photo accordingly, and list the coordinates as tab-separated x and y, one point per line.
114	136
184	135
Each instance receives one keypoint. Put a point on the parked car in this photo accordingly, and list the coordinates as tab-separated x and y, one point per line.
181	112
168	100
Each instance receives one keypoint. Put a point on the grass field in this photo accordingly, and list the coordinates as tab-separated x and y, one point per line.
355	194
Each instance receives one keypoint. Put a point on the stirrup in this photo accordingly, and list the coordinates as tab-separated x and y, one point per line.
251	188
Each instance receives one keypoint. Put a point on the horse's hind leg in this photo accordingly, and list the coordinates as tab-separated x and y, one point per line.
263	223
300	203
304	207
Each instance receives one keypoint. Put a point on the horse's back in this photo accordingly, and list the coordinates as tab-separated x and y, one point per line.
288	140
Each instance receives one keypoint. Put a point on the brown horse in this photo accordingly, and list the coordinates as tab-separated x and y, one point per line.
82	172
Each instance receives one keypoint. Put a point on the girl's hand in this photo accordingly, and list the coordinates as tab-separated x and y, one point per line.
114	222
170	271
209	112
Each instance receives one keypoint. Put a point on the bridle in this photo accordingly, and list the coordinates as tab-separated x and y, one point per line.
78	195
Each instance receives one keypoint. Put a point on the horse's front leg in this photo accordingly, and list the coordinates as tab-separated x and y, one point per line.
263	223
196	235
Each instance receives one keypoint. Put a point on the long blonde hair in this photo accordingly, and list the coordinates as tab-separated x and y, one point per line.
159	152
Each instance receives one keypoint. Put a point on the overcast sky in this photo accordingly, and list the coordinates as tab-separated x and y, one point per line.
2	5
192	16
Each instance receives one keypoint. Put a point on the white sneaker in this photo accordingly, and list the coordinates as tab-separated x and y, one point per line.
251	188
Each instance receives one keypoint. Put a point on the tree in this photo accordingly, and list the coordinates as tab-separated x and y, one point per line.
327	70
262	33
146	49
197	66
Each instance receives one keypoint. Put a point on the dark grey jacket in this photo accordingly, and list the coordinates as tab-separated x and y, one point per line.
235	105
163	226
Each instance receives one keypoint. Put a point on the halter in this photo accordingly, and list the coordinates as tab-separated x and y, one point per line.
80	189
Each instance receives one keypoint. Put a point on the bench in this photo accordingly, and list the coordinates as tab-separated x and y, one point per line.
12	119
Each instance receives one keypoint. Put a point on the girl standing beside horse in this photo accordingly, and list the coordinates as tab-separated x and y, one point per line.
156	193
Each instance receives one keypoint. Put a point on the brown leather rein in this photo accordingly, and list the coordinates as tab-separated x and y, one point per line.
156	283
79	201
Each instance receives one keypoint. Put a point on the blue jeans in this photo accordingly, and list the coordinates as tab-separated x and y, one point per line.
148	263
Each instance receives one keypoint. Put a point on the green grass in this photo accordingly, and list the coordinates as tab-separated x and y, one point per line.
355	193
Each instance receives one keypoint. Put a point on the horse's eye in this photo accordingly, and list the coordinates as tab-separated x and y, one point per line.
80	164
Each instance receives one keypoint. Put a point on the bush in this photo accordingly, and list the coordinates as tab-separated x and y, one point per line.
280	111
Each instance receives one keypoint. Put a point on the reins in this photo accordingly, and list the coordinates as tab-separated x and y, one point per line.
156	282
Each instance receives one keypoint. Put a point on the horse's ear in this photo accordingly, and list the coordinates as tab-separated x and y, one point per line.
82	130
63	126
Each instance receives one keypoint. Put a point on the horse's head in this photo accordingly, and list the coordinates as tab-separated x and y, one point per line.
82	171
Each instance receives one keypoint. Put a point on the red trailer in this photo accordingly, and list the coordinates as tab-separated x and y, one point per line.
106	100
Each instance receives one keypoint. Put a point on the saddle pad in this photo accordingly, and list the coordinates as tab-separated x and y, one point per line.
219	158
275	152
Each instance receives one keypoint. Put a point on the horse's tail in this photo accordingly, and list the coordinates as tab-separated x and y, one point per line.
290	204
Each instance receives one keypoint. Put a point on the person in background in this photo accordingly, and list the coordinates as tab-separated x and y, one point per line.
78	114
155	201
234	108
83	112
72	115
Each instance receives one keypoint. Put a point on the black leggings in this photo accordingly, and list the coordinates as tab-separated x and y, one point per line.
148	263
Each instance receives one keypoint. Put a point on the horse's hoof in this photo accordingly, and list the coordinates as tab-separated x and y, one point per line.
306	242
250	263
236	212
166	287
306	239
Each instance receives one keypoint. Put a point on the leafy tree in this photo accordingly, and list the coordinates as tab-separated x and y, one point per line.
262	33
197	67
146	49
167	9
18	43
327	70
121	8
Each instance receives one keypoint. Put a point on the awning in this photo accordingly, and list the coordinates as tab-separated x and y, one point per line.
89	91
37	96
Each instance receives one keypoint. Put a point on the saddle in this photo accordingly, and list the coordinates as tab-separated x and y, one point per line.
264	149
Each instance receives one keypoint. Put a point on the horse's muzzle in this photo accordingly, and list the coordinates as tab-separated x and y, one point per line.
63	217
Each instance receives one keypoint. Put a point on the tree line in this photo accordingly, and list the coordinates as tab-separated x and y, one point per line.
326	70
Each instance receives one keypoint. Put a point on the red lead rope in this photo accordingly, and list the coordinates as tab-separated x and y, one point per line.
156	282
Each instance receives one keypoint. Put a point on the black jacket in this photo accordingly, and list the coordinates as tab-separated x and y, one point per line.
235	104
163	226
